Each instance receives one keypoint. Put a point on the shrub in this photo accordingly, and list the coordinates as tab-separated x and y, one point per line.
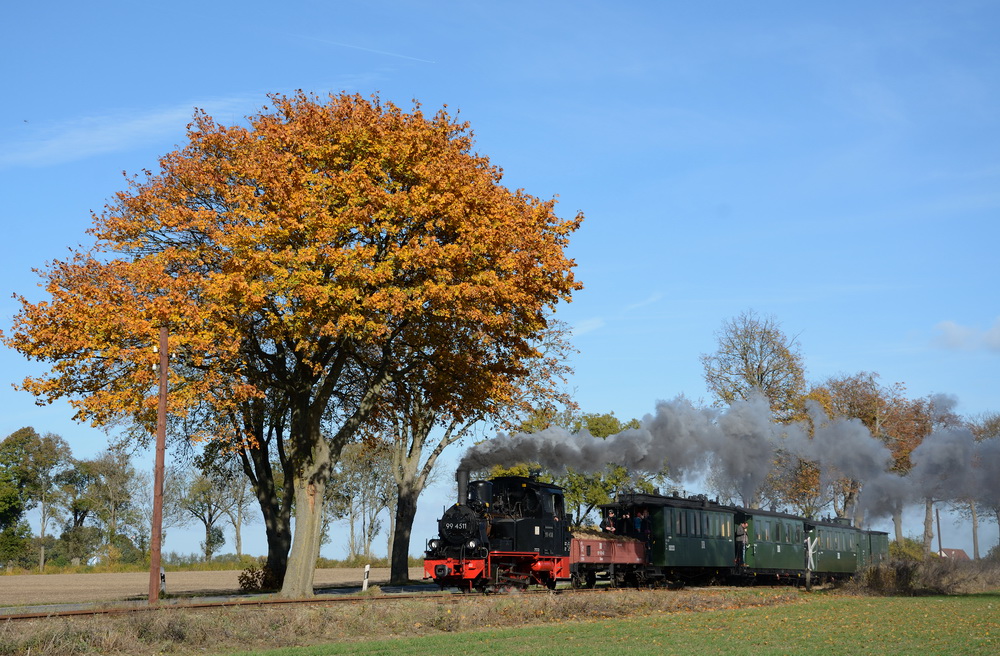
257	577
910	549
932	576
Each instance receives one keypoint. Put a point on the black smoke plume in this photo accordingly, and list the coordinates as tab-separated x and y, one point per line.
741	442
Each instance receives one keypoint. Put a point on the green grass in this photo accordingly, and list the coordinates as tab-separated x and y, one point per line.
821	624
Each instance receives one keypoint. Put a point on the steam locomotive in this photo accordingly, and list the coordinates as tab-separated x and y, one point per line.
511	532
506	533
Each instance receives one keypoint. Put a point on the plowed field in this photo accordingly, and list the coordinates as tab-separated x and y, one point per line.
18	590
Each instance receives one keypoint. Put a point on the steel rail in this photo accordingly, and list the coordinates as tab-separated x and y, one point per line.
452	597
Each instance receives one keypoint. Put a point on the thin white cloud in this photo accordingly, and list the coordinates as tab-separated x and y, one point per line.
956	337
596	323
363	49
587	326
648	301
98	135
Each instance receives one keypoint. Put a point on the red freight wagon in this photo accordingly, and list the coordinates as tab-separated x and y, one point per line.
593	557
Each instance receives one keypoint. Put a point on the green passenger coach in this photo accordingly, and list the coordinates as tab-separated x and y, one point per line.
693	541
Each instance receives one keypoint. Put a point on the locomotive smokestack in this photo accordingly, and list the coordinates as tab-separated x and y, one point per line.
462	476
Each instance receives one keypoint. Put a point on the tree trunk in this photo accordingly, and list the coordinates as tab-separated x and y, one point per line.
237	533
301	569
279	542
310	486
897	523
928	526
393	504
406	510
975	530
274	507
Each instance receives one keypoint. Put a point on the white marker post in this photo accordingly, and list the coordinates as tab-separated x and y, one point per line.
364	586
810	561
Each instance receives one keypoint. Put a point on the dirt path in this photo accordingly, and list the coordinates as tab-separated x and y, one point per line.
18	590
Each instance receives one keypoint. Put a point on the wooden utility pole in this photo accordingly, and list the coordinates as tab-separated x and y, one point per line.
161	441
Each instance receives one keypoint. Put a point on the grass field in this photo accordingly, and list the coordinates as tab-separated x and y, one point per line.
731	621
820	624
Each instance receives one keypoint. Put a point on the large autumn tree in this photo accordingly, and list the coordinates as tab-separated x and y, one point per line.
307	259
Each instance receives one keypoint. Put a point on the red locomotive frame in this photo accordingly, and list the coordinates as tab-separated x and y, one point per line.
499	570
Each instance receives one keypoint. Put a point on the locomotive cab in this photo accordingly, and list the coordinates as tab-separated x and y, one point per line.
528	516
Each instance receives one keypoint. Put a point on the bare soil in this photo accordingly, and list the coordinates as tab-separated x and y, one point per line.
36	589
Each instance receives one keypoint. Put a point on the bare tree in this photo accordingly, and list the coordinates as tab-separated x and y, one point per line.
115	497
360	489
207	500
985	426
755	356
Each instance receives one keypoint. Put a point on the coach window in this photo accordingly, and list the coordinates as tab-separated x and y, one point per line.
777	531
705	527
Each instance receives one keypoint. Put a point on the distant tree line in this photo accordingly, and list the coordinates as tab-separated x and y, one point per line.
755	356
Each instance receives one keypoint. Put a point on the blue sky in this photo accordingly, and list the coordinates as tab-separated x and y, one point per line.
834	166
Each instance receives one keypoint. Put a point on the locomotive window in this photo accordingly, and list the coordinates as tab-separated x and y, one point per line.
548	505
559	506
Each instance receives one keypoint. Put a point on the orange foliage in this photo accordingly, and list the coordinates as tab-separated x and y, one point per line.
323	239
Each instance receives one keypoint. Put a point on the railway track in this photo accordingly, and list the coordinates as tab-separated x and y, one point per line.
141	607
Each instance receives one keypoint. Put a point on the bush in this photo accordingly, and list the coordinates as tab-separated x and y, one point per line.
932	576
910	549
257	577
